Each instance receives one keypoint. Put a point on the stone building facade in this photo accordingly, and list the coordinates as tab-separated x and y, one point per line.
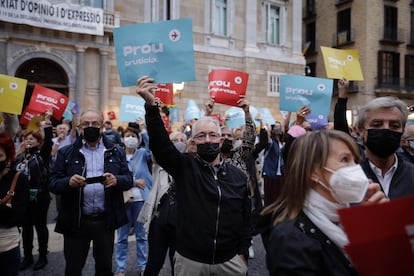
383	33
260	37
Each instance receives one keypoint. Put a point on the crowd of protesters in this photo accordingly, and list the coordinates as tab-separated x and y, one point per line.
200	193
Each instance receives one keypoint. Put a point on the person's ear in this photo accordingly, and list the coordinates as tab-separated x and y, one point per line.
316	175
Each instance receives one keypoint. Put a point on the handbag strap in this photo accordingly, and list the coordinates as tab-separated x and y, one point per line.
10	193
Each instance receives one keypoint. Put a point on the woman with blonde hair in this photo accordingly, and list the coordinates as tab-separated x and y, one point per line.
322	176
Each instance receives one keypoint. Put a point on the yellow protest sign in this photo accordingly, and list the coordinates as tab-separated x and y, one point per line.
342	63
12	92
34	123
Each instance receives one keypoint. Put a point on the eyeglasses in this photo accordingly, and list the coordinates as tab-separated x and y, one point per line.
88	124
202	135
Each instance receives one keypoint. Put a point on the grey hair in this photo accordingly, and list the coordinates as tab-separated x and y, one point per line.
205	120
93	111
382	102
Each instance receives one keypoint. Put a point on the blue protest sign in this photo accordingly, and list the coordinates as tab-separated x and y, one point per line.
266	115
131	109
161	50
235	117
317	121
67	114
297	91
174	115
191	111
254	112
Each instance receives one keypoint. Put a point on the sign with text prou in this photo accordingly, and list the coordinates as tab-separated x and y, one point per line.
161	50
28	115
131	109
297	91
227	86
165	93
44	98
12	91
342	63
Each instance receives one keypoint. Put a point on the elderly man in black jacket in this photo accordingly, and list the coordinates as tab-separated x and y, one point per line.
213	207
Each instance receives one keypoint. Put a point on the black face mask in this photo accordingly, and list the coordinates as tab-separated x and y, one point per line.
3	165
208	151
91	134
383	142
226	146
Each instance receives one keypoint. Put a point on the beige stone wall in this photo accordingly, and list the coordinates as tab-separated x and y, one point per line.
367	21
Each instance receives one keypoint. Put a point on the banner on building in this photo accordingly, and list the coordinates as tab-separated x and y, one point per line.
381	237
57	16
342	63
45	98
297	91
161	50
131	109
165	93
12	91
227	86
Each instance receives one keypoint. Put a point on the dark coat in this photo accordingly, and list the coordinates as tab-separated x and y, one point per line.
213	208
402	181
70	161
298	247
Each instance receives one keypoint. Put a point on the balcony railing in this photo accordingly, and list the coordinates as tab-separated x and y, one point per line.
111	20
392	35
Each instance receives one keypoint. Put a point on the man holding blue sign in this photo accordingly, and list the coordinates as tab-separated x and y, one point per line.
213	206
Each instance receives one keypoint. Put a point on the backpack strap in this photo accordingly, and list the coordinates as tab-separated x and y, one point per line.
7	199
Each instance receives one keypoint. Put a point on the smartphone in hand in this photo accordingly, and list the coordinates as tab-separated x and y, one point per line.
95	179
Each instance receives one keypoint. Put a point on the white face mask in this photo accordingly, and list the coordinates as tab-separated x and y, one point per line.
348	184
131	142
411	144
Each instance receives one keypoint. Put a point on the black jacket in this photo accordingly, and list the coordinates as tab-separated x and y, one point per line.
402	183
213	209
70	161
15	215
298	247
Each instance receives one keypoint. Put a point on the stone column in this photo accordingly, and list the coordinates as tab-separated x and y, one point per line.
3	55
103	81
251	25
80	76
296	27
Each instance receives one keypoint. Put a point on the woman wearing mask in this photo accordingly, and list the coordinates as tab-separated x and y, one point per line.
14	198
306	237
34	162
138	160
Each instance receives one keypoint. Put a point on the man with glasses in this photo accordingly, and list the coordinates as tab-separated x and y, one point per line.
90	175
213	207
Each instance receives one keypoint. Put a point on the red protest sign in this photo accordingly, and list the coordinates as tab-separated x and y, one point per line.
165	93
111	115
227	86
381	237
217	116
44	98
28	115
